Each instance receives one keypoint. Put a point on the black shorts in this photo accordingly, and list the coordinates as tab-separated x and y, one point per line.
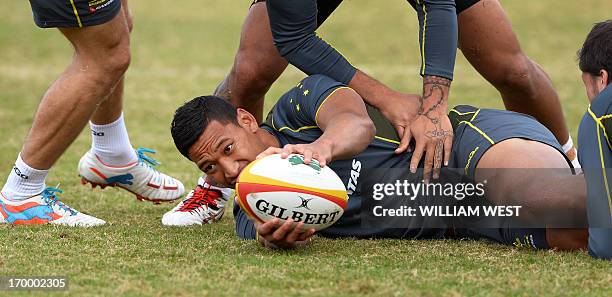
73	13
478	129
324	9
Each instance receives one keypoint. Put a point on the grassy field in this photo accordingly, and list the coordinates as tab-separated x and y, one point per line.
184	48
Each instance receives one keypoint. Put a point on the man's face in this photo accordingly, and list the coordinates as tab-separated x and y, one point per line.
223	150
595	84
590	83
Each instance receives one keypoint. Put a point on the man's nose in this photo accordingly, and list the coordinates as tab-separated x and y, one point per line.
232	169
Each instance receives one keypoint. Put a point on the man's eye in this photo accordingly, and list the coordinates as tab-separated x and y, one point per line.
209	168
228	149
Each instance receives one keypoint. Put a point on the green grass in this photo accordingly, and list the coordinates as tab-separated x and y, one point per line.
184	48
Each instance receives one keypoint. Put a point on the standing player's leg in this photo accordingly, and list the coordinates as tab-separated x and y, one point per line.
256	66
101	57
112	161
109	111
486	39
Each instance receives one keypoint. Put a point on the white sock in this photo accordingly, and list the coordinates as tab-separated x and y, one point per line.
112	144
24	181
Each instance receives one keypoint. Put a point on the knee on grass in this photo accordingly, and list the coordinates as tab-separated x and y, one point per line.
252	77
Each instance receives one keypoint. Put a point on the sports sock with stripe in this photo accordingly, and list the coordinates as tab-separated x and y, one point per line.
24	181
111	143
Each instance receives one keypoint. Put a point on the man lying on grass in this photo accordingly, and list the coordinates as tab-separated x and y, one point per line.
324	120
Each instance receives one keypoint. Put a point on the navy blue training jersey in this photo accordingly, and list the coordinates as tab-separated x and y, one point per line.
293	120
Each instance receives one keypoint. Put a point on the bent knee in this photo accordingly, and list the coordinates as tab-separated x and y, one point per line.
119	60
112	65
251	73
514	73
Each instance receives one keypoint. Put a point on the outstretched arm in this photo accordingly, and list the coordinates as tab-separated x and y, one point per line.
342	113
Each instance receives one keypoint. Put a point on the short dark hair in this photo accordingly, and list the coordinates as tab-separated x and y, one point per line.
596	52
191	119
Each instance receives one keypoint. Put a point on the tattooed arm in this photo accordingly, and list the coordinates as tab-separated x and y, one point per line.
432	129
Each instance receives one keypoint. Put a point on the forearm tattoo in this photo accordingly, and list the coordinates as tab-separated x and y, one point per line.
434	90
431	84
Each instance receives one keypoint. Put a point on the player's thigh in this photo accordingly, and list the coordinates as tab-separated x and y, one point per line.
257	55
519	165
104	43
487	40
527	154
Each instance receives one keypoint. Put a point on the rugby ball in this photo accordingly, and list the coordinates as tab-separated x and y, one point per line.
272	187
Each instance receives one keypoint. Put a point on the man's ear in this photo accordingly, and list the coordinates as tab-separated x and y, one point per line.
246	120
605	79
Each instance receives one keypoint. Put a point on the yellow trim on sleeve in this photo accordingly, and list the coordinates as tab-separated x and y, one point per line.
273	122
325	100
298	129
76	14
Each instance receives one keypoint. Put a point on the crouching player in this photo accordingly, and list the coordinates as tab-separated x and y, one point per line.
595	145
325	120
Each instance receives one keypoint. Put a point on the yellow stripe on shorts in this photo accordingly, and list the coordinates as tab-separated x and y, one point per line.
76	13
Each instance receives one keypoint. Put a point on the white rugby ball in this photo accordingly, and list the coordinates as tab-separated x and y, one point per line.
272	187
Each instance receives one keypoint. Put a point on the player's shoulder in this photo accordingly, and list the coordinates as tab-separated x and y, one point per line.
299	105
319	78
318	84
